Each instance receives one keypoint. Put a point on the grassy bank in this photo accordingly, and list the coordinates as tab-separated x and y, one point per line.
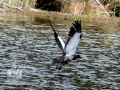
90	18
73	11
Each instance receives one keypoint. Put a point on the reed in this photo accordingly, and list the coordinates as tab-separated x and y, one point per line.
18	4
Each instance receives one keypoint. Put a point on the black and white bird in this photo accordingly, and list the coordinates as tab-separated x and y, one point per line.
69	49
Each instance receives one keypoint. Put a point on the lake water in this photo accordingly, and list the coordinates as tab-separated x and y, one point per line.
27	47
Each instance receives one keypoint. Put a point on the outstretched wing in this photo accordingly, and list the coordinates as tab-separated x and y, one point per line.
58	40
74	36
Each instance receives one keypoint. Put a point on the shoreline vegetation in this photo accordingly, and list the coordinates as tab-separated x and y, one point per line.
90	12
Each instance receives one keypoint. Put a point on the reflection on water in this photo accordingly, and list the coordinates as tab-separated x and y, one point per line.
27	47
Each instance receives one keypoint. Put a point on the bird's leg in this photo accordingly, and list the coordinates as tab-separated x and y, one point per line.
59	63
59	66
66	61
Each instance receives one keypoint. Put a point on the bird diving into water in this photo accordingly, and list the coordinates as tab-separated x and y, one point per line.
69	48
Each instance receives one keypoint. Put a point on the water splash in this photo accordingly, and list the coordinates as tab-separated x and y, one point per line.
15	71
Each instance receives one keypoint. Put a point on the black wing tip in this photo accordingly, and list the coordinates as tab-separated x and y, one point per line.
55	34
77	25
75	28
51	25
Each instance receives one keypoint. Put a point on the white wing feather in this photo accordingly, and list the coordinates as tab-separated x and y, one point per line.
72	44
63	44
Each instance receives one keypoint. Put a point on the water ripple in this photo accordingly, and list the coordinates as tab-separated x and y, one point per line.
32	46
